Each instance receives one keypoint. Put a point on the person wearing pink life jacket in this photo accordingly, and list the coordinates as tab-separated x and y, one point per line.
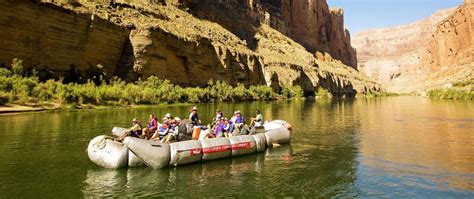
151	128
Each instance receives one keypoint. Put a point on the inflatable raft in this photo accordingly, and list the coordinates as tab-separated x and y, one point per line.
135	152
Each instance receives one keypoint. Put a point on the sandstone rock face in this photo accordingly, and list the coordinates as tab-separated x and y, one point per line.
431	53
453	41
393	56
170	39
308	22
191	63
57	39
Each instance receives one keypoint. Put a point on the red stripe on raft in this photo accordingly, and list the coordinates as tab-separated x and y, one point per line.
216	149
195	151
242	145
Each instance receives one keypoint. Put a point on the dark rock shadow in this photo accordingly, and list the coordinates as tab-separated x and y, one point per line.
336	87
235	17
124	69
305	82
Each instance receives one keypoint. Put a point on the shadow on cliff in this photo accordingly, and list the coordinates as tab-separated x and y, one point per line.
305	82
338	88
238	20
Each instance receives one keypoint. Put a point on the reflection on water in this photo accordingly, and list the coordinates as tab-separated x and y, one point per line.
419	143
398	147
187	180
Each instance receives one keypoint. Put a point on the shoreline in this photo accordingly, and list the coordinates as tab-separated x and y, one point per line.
25	108
22	109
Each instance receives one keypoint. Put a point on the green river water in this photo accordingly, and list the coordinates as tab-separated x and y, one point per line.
383	147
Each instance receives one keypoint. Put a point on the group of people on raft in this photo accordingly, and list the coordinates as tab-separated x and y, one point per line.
167	130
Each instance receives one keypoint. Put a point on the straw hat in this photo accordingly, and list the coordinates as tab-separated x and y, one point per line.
135	120
194	108
168	115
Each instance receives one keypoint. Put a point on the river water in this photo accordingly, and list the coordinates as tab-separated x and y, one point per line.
383	147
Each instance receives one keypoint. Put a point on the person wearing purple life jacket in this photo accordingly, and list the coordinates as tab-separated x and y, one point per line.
152	127
219	116
219	128
238	122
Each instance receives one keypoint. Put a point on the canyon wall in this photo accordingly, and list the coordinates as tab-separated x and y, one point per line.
393	56
310	23
168	39
58	39
452	42
432	53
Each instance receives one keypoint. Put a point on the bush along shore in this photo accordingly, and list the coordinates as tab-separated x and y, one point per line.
17	89
460	91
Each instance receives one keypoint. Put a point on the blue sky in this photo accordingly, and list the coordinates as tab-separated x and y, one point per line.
367	14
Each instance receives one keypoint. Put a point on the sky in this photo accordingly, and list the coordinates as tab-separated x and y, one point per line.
361	15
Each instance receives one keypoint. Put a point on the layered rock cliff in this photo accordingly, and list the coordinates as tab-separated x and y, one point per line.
168	39
430	53
450	54
311	23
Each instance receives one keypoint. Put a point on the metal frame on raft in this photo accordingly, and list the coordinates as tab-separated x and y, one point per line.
135	152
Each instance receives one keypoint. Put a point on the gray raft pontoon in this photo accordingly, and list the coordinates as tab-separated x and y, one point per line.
135	152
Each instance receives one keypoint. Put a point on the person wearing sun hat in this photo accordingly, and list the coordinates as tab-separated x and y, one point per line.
134	131
193	116
238	122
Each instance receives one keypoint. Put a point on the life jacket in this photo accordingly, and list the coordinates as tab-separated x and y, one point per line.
239	119
220	127
194	118
137	133
152	123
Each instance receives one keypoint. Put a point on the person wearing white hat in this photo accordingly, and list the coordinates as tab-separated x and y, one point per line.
239	122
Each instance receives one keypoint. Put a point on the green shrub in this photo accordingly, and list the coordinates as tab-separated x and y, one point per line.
17	66
464	83
4	98
292	91
452	94
18	89
381	94
323	93
5	72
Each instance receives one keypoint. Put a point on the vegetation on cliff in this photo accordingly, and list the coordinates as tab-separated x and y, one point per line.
19	89
463	90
